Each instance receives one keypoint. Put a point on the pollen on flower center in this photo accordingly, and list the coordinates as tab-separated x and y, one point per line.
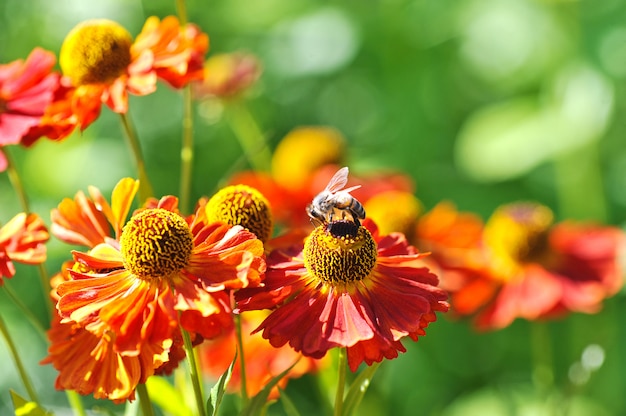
156	243
95	51
342	252
242	205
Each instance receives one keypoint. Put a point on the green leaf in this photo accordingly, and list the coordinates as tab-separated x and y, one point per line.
358	388
164	395
24	407
288	405
218	390
258	402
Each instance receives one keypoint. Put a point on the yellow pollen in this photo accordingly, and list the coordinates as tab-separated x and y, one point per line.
95	51
340	253
242	205
156	244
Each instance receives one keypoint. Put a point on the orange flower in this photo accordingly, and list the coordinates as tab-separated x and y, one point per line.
26	89
175	53
263	361
22	239
537	269
102	63
347	287
88	363
128	290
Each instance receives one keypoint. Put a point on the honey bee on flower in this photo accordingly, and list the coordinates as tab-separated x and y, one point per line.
335	198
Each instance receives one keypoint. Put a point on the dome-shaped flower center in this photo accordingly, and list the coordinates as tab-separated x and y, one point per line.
156	243
342	252
517	234
242	205
95	51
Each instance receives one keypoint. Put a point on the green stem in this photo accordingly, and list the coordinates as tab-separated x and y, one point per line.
194	374
181	8
250	136
18	186
145	188
15	179
242	361
75	403
18	363
144	400
341	381
186	152
26	311
543	374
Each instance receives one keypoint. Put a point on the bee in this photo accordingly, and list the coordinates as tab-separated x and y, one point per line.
335	199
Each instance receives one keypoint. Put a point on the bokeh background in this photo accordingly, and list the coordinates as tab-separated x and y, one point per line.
481	102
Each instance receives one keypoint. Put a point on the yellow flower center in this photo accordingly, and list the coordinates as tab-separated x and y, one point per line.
242	205
341	252
156	243
95	51
517	234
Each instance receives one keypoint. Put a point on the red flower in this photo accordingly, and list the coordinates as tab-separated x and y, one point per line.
535	269
347	287
26	89
23	240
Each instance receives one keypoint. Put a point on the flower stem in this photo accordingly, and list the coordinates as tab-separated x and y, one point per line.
15	179
186	152
193	371
341	381
26	311
144	400
543	375
242	361
145	188
181	8
18	186
18	363
75	403
250	136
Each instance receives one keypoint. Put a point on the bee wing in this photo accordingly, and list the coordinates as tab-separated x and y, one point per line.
338	181
352	188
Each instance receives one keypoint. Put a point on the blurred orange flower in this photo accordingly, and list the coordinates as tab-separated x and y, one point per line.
347	287
227	75
536	269
263	361
22	240
26	89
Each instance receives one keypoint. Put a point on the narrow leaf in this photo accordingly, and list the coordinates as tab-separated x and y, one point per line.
24	407
358	388
288	405
219	389
165	395
257	403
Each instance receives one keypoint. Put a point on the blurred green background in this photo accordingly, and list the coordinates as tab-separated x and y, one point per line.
481	102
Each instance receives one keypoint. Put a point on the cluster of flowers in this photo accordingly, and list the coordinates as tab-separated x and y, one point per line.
140	288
